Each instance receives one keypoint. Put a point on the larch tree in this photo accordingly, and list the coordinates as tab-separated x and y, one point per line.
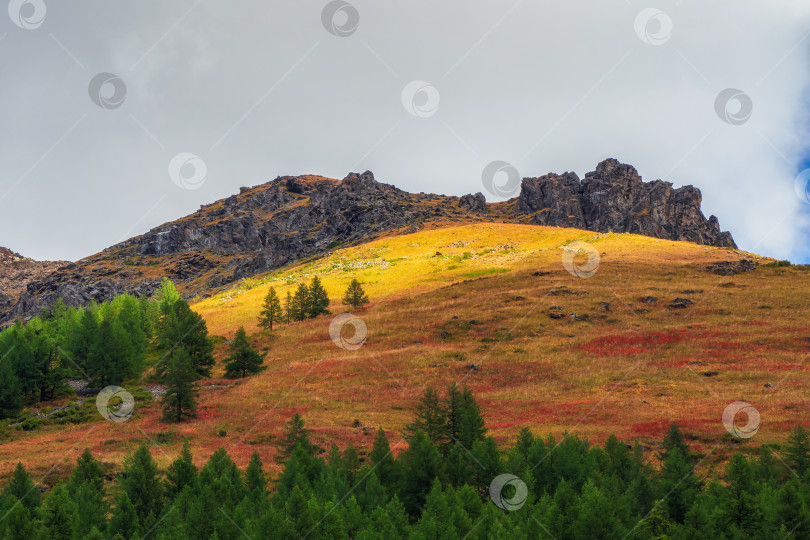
243	360
355	296
271	310
288	306
318	299
299	308
180	401
181	328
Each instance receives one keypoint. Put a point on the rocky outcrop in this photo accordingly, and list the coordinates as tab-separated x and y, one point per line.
613	198
16	272
289	218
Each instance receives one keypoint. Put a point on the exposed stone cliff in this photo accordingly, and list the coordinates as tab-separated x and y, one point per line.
289	218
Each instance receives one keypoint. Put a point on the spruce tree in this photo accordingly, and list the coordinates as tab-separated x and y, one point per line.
318	299
243	360
355	296
180	400
271	310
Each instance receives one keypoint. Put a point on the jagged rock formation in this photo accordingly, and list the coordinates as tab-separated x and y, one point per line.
613	198
16	272
289	218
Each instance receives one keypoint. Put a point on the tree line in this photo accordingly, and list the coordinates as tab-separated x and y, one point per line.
308	302
440	486
124	339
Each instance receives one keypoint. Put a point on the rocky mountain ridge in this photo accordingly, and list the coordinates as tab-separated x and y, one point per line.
293	217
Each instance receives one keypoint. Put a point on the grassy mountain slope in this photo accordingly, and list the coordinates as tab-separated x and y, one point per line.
471	303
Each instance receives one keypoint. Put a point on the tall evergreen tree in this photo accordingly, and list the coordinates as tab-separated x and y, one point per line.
297	435
679	486
131	317
243	360
472	421
114	357
355	296
141	483
181	328
82	341
180	400
318	298
60	514
87	471
674	439
181	473
124	522
798	451
255	478
86	488
271	310
289	306
300	304
431	418
166	295
382	460
421	465
11	401
22	488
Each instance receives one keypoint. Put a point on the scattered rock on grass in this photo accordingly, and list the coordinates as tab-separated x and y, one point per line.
680	303
729	268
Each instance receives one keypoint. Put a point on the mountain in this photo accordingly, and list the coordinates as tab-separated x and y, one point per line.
294	217
16	272
662	332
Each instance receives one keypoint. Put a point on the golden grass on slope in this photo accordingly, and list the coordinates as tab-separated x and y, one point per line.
485	300
416	263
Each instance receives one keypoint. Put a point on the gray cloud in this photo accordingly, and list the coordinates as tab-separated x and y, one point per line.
260	89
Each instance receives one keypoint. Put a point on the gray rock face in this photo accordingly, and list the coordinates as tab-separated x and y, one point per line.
268	226
613	198
473	203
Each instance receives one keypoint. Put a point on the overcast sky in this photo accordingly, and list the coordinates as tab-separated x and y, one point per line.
423	93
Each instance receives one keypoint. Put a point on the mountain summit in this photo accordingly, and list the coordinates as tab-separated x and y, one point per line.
292	217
